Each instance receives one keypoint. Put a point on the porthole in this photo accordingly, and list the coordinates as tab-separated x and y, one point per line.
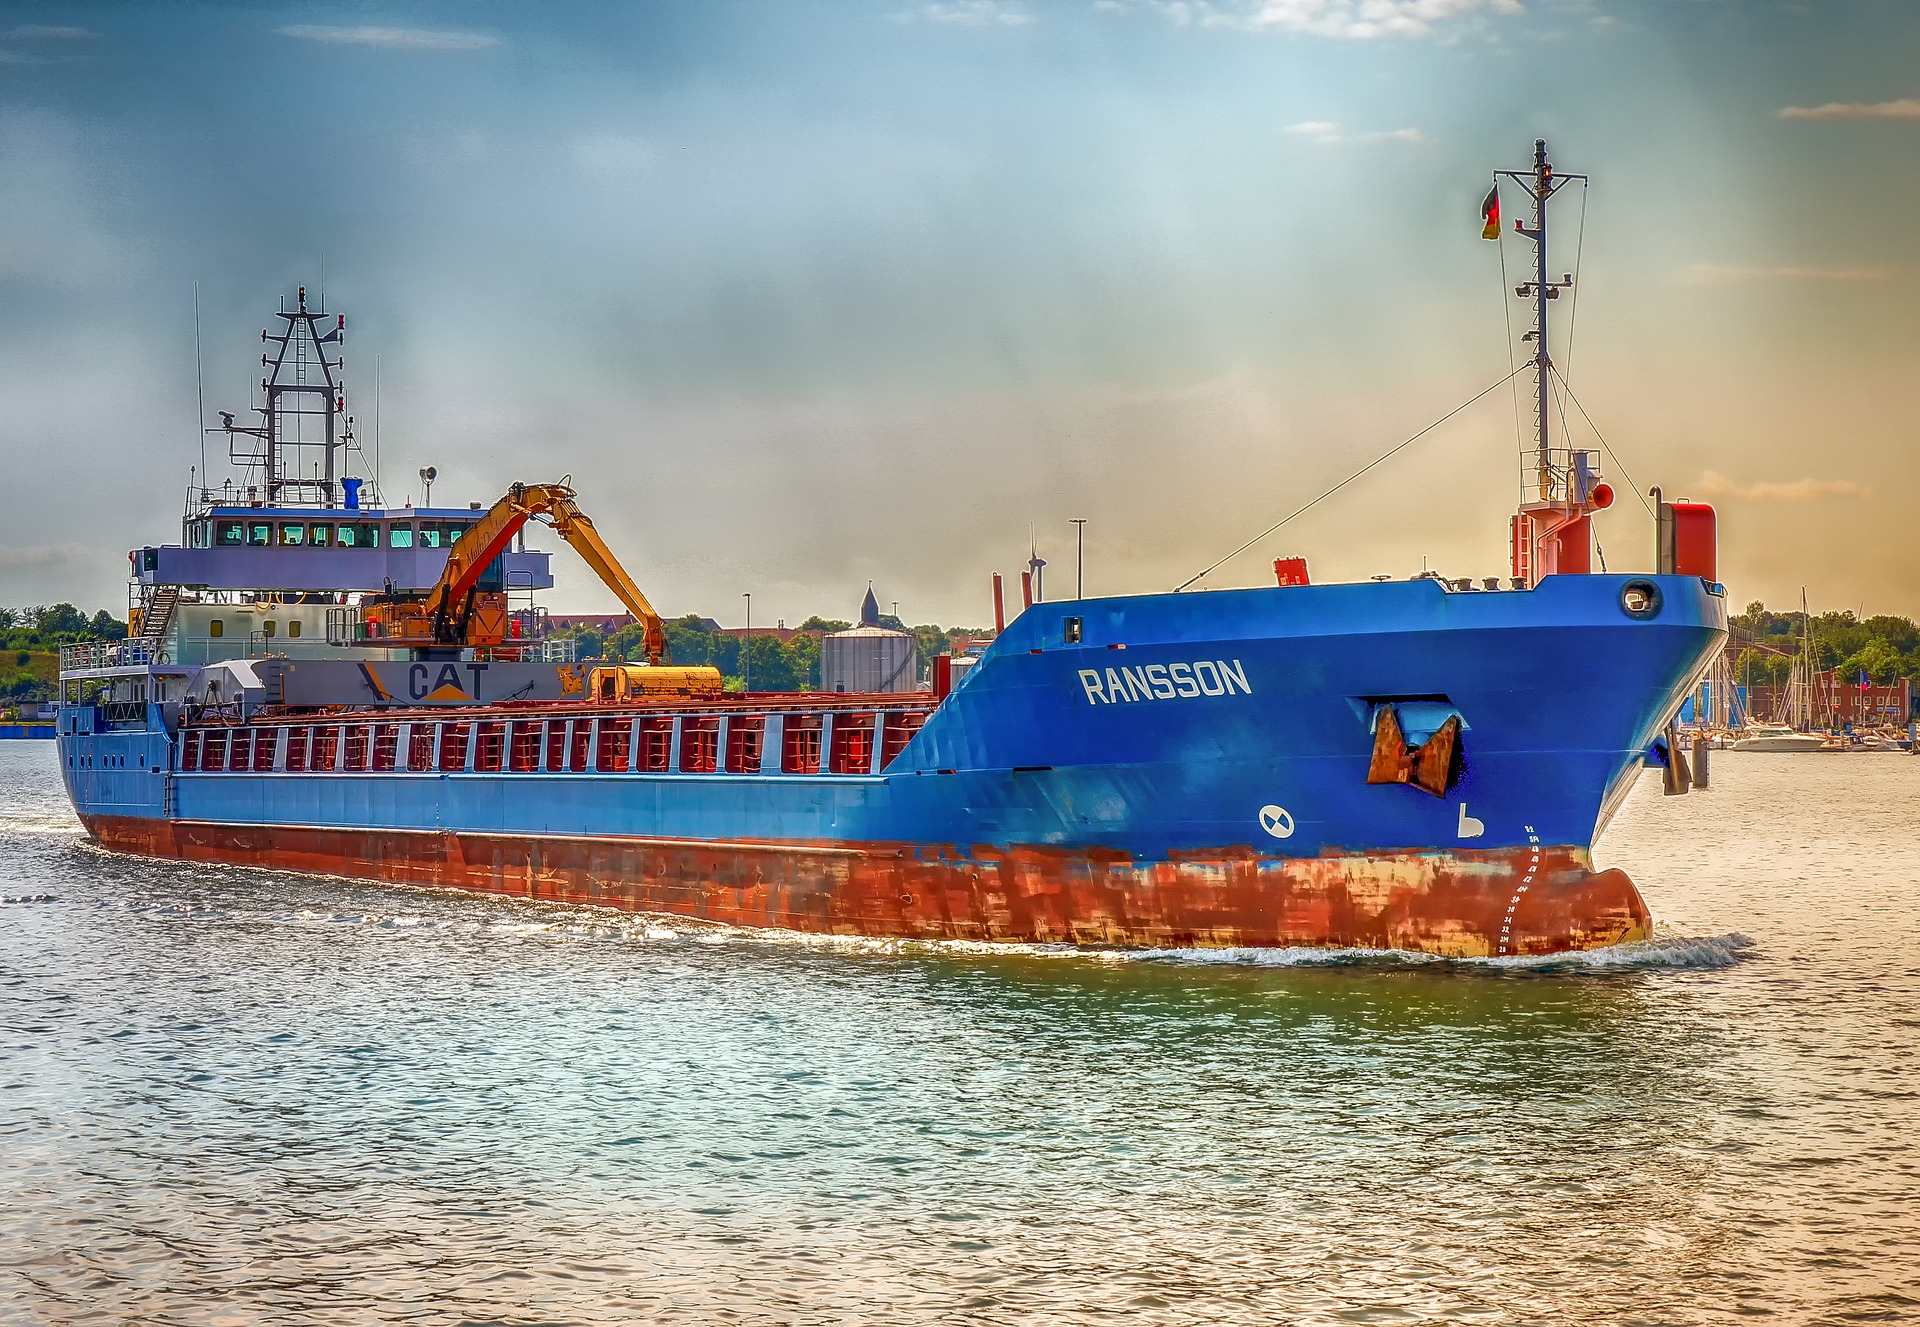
1640	599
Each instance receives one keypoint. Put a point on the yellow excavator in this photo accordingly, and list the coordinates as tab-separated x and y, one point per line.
458	613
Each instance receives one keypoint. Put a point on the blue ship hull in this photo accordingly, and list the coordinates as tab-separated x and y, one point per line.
1170	769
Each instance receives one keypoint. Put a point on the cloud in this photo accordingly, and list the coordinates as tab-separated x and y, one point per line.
977	13
1906	108
1713	484
40	32
1714	274
398	39
47	555
1358	20
1331	131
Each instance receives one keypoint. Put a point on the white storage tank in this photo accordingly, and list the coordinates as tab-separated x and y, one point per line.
870	657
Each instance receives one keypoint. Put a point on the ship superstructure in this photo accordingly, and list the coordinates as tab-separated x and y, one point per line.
316	683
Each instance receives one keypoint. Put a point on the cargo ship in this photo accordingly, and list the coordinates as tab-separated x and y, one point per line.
316	681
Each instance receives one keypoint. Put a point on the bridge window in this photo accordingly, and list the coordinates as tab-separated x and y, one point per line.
400	534
260	534
268	628
320	534
359	534
216	628
293	627
293	534
230	534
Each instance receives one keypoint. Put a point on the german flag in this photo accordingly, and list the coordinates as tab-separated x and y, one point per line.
1490	214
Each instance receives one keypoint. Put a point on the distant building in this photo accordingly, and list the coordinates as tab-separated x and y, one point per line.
1844	699
869	657
604	623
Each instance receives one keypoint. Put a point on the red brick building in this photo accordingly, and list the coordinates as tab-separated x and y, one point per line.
1844	699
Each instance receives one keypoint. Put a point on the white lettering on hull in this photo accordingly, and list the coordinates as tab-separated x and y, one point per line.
1180	681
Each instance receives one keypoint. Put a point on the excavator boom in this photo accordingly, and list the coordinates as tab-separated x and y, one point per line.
447	605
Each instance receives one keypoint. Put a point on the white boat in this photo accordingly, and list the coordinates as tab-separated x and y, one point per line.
1779	737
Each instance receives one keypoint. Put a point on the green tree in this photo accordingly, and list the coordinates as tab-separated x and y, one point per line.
806	661
774	666
1898	632
825	624
587	641
932	640
58	620
1878	659
689	640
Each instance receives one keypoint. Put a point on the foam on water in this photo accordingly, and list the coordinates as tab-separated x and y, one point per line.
499	916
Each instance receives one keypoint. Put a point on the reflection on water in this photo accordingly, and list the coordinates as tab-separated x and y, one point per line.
242	1096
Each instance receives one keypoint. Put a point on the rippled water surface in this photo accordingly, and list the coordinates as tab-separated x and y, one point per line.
232	1096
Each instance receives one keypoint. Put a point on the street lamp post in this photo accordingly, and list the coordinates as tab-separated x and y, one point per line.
746	647
1080	557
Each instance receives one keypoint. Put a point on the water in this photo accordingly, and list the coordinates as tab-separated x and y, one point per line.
236	1096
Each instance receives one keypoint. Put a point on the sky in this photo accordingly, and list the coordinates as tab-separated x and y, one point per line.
807	295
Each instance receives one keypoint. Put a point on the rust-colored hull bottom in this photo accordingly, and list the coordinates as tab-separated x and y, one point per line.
1460	904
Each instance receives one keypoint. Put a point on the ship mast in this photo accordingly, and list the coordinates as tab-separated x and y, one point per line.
305	410
1559	489
1542	184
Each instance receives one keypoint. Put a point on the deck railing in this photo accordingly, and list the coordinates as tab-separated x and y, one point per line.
92	655
831	742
